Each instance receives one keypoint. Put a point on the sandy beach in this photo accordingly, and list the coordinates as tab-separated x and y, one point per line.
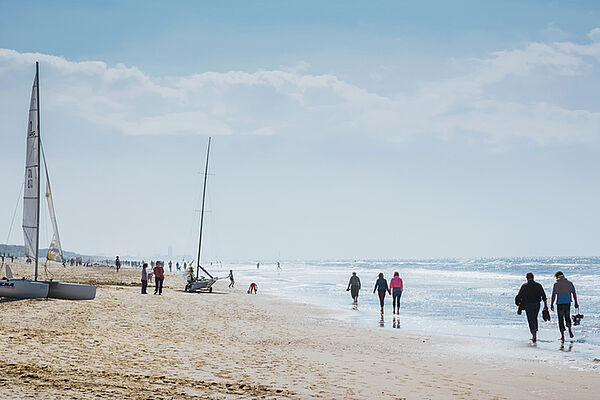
230	345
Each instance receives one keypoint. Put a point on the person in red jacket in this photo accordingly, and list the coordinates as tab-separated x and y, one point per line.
159	277
396	287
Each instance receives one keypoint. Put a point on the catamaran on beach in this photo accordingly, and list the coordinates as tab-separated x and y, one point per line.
28	288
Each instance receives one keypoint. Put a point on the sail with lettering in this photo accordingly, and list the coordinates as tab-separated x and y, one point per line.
32	180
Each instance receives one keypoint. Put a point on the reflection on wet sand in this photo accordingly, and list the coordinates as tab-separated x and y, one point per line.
569	348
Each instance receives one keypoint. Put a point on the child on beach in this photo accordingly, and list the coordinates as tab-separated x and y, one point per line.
232	281
253	287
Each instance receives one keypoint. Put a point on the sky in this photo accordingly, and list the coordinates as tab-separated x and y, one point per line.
340	129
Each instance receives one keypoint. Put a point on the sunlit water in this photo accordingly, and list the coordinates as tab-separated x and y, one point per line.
471	298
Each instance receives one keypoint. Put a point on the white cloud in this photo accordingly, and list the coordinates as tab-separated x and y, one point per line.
264	102
594	34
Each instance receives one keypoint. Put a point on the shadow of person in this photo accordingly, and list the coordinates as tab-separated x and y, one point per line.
381	321
396	323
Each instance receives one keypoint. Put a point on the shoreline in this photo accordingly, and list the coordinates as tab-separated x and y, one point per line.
229	344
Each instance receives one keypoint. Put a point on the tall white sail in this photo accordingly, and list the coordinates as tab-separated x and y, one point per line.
55	249
32	187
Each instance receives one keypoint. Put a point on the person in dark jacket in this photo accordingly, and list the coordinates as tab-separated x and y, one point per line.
144	278
159	277
529	297
381	286
354	287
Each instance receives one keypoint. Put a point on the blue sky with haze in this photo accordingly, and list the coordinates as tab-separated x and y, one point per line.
340	129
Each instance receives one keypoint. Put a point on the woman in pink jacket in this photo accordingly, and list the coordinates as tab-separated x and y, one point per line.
396	287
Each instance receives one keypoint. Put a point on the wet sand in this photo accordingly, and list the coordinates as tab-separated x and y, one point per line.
231	345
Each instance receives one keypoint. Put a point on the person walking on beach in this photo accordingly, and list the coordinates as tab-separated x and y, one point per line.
159	277
354	287
232	281
118	263
561	292
528	298
144	278
396	285
170	266
381	286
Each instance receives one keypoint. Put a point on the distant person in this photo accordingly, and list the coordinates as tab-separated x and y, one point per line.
278	266
561	292
159	277
381	286
354	287
396	285
528	298
177	265
191	277
231	280
257	265
170	266
144	278
118	263
253	288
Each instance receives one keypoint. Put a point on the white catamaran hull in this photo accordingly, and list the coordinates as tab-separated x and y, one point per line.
71	291
200	284
23	289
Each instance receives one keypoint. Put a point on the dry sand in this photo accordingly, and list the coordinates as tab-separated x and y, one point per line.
231	345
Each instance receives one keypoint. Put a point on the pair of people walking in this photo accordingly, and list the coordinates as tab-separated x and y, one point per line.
395	288
532	293
159	277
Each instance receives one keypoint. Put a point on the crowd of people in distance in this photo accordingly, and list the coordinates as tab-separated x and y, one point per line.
7	256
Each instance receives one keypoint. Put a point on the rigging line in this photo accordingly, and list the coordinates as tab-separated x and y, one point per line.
15	213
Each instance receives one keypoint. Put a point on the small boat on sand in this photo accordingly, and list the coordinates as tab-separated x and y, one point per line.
196	282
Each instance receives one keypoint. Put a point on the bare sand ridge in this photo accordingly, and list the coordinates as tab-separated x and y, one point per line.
231	345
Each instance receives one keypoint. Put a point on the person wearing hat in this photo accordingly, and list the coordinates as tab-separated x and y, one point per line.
561	292
528	299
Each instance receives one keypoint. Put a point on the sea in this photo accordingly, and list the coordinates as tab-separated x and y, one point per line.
470	298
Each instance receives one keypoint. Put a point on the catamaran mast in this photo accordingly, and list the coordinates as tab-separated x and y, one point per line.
202	214
37	231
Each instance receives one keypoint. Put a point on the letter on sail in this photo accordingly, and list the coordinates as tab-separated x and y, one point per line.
32	187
